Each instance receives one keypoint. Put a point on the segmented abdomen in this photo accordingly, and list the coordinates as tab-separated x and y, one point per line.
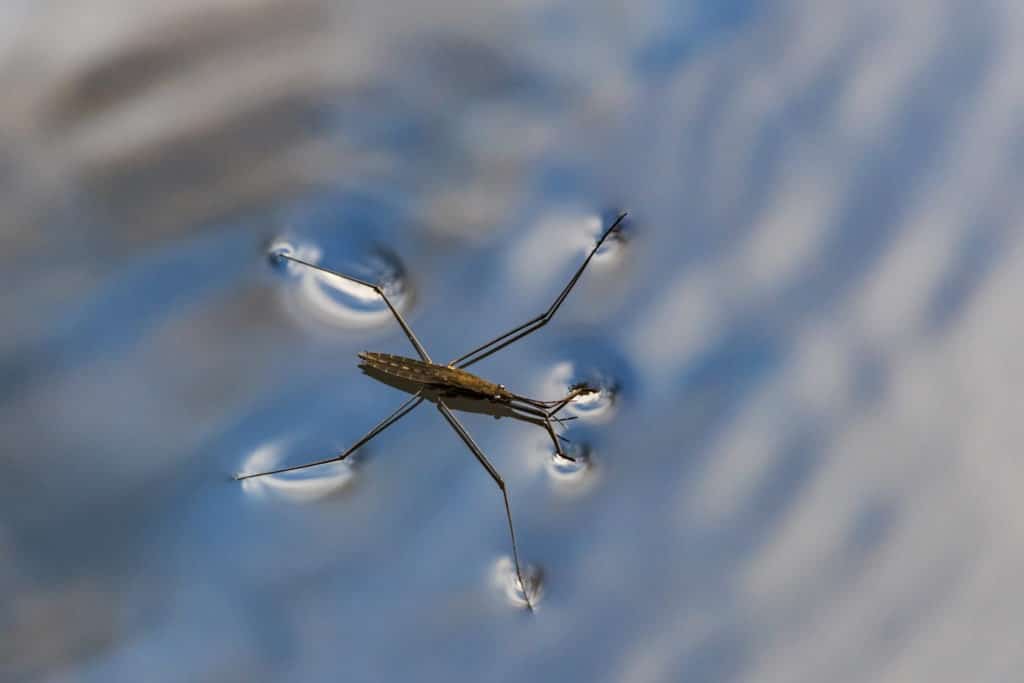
400	366
428	373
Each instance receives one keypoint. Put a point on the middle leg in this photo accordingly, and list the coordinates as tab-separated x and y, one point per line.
391	419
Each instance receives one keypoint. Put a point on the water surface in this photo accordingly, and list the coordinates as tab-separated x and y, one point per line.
803	462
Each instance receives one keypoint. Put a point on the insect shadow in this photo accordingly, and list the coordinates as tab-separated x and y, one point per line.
467	403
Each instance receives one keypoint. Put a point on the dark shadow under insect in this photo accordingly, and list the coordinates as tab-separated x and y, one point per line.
467	403
452	386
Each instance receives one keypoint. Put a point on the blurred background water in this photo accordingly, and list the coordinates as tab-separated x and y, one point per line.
808	469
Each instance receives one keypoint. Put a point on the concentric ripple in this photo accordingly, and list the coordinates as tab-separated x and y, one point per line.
503	577
333	300
304	485
572	477
595	406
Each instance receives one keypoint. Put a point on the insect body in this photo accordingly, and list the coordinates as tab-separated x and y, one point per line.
448	377
442	384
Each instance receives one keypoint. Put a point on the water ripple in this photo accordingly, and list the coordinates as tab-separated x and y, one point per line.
573	477
335	301
305	485
504	579
597	406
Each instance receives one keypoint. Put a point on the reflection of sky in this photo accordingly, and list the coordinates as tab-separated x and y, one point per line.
808	471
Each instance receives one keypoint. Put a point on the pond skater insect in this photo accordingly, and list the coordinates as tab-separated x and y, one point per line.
446	385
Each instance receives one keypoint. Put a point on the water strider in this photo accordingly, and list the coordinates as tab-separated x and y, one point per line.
448	385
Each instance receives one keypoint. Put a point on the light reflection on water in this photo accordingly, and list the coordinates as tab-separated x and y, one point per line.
615	249
576	477
504	579
300	486
597	406
327	299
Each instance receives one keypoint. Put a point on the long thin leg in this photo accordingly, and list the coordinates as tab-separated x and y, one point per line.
517	333
376	288
391	419
468	440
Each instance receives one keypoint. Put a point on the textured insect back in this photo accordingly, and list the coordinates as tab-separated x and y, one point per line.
399	366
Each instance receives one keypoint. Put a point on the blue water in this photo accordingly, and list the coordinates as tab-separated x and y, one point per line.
802	462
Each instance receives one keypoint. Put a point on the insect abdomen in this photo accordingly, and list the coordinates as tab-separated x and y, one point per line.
399	366
428	373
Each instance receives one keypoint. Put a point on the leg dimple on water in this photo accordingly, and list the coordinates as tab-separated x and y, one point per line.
503	577
572	477
301	485
335	301
596	405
